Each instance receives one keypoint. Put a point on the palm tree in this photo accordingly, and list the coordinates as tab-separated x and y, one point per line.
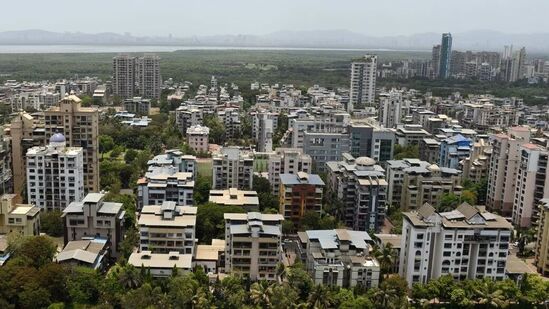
320	297
260	294
129	277
386	296
489	295
384	255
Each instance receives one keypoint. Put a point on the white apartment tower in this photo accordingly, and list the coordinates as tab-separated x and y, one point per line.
123	79
287	161
55	174
233	168
363	81
148	78
390	108
465	243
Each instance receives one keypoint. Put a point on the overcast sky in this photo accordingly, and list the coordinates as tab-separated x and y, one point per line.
207	17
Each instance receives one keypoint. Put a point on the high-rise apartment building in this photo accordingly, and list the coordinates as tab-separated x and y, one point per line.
363	82
435	61
165	184
503	170
188	116
148	78
390	108
233	168
542	241
80	126
361	186
197	138
253	244
123	79
264	125
531	184
6	174
465	243
369	140
55	174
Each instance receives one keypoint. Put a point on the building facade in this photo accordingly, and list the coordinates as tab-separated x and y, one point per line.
165	184
300	193
197	138
287	161
363	82
233	168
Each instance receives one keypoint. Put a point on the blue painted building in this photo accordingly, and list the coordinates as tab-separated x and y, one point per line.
453	150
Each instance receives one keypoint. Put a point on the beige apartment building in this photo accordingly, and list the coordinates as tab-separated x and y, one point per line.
234	197
93	218
542	241
503	169
253	244
233	168
167	228
80	126
18	218
197	138
25	131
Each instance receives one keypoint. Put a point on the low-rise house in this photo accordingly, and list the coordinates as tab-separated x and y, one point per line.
90	253
211	257
18	218
161	265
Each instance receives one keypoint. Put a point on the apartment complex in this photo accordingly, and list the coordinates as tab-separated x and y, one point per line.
390	108
429	150
148	78
123	79
413	182
233	168
6	175
165	184
161	265
80	126
361	186
22	219
167	228
410	134
138	105
264	125
300	193
176	158
55	174
188	116
325	147
197	138
475	167
93	218
253	244
287	161
339	258
368	140
234	197
363	82
466	243
453	150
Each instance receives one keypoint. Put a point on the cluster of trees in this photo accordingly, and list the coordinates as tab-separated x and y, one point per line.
530	292
406	152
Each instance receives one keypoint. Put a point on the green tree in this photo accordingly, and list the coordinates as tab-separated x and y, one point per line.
406	152
106	143
385	256
299	280
36	251
83	285
51	223
201	192
261	294
210	222
130	155
320	297
181	290
145	297
217	129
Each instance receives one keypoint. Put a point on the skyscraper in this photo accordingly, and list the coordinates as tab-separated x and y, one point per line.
123	79
435	62
363	81
148	76
445	55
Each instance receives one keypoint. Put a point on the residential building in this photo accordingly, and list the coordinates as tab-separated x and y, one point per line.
253	244
542	239
93	218
503	169
231	120
6	175
80	126
233	168
410	134
138	105
367	140
361	187
445	56
264	125
161	265
363	82
530	187
211	257
165	184
176	158
390	108
167	227
148	78
197	138
475	167
92	253
453	150
325	147
429	150
413	182
300	193
55	174
339	258
188	116
25	131
465	243
435	61
234	197
287	161
123	79
22	219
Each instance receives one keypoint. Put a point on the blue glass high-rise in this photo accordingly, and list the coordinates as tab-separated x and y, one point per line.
445	54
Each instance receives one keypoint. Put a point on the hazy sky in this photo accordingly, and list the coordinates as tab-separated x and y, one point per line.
206	17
